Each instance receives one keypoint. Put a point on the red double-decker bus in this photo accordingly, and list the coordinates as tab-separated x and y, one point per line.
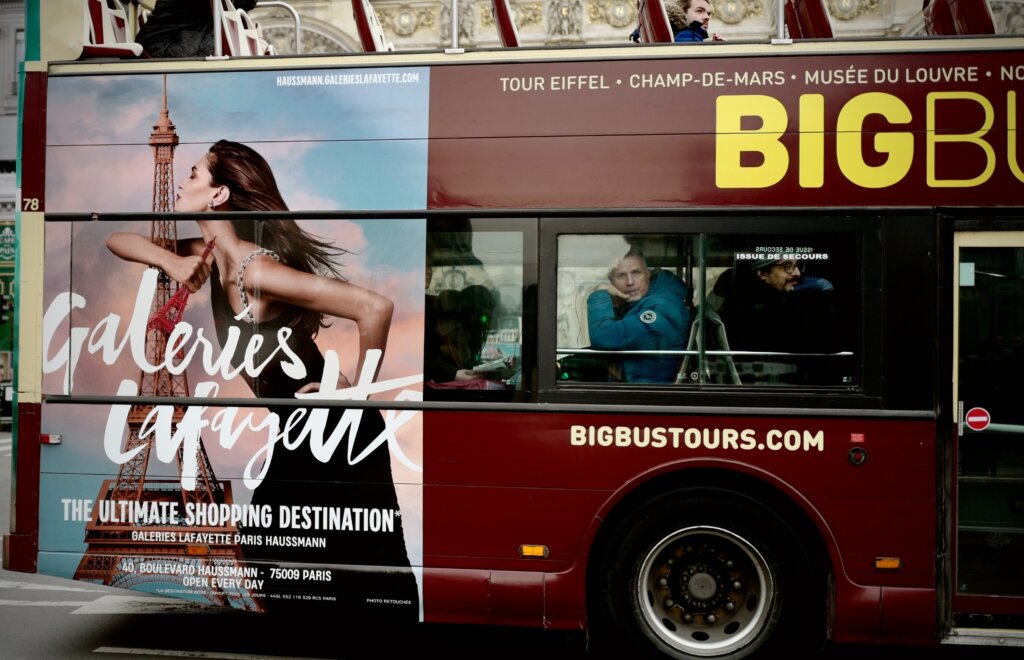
710	349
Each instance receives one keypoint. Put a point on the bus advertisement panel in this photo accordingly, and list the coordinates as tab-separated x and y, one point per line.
245	504
699	131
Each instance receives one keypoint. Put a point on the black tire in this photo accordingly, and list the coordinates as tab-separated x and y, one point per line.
708	573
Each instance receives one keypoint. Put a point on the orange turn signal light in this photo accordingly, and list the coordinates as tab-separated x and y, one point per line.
888	564
536	551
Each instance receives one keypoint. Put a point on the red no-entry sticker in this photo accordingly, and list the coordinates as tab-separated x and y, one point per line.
978	419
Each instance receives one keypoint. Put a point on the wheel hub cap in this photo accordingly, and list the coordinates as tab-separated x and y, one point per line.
701	587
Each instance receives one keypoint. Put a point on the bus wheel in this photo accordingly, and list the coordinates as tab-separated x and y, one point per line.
702	574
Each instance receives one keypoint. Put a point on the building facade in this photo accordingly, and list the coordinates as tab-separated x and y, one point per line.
327	26
12	51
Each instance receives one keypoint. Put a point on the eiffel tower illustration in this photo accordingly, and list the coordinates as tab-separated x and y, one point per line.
127	550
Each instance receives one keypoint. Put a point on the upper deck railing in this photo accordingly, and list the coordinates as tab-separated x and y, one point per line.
108	29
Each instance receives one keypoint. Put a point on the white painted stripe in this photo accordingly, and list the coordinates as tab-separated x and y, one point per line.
144	605
167	653
107	605
43	603
35	586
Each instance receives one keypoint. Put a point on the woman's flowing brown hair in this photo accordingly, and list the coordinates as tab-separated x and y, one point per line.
253	188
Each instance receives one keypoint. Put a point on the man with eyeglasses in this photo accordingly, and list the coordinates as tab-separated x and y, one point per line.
773	305
786	275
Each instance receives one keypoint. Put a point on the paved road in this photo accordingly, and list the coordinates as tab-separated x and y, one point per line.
44	617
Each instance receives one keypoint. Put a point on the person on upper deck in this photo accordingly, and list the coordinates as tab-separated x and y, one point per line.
640	309
182	28
689	20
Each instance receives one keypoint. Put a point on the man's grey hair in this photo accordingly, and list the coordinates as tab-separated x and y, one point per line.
634	251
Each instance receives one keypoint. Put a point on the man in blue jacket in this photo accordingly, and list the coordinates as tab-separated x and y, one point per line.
640	310
690	20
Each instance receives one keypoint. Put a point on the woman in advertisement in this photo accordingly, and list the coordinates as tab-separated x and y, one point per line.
275	285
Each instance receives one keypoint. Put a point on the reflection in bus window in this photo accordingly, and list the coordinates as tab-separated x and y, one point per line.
474	300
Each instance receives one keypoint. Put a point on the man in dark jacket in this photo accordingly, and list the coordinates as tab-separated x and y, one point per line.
182	28
784	310
640	310
690	20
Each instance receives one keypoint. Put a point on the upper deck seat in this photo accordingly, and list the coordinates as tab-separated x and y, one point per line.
371	32
108	31
938	20
654	25
972	16
255	42
240	35
232	41
807	19
501	11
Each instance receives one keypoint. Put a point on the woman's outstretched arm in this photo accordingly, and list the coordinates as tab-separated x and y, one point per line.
190	270
370	311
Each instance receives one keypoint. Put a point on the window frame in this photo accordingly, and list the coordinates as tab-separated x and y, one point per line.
527	226
864	227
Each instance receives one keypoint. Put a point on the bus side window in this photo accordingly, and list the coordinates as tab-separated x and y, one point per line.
473	311
788	306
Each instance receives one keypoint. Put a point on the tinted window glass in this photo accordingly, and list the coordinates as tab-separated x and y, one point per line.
474	312
780	310
707	310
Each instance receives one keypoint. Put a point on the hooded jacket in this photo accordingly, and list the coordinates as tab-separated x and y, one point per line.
658	321
695	33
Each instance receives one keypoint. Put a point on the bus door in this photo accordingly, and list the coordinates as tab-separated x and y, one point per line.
988	377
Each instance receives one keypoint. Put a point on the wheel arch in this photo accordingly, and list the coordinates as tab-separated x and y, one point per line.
726	478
